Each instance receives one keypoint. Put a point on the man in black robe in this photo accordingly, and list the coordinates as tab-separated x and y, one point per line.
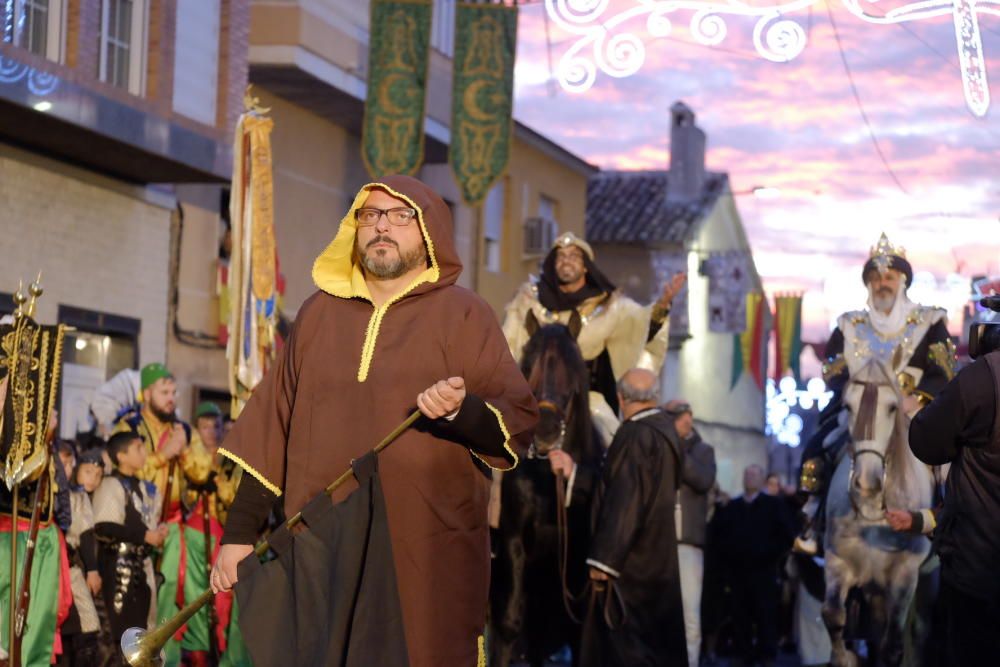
638	617
755	533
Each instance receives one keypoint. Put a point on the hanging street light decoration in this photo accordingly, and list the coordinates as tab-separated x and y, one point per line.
620	53
784	403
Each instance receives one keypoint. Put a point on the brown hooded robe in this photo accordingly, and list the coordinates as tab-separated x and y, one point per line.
350	373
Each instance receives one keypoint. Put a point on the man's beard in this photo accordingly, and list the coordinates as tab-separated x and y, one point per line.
165	416
384	268
568	278
883	300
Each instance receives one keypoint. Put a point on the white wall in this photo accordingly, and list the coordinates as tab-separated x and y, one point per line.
704	364
196	59
732	420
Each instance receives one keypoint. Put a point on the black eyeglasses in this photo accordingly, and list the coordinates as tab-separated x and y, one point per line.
368	217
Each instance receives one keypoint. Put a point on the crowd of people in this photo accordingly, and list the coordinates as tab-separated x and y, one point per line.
153	511
814	563
141	511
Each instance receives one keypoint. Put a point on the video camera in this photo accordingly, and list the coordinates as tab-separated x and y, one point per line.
984	335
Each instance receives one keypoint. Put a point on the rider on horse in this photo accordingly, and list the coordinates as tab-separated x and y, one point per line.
617	333
894	330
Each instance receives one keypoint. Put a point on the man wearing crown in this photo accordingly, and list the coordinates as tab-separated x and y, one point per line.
616	333
909	338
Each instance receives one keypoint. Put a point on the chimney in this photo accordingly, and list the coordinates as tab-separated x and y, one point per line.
687	155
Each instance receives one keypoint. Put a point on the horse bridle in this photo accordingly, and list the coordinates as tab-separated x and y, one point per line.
542	452
864	430
850	482
561	483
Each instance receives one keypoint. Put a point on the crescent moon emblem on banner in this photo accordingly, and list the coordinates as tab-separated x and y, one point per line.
470	104
385	95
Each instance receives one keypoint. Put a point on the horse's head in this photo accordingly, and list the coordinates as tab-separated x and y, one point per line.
877	427
558	378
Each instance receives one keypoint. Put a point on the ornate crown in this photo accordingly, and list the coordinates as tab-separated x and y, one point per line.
884	247
883	253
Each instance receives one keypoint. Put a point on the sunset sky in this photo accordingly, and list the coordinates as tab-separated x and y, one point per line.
796	126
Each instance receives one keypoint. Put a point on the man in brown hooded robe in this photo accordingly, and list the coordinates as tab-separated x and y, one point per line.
387	332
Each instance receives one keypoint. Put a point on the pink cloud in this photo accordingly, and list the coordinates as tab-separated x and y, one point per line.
797	126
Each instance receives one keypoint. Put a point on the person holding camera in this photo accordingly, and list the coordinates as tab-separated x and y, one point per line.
960	427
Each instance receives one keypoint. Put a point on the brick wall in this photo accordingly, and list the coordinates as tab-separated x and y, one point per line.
98	248
160	60
234	57
83	27
82	63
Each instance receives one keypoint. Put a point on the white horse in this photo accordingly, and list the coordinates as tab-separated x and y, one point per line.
877	472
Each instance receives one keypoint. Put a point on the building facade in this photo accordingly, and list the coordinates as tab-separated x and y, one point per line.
116	132
109	109
647	225
308	64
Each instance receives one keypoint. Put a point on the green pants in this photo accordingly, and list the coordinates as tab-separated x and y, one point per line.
196	636
40	630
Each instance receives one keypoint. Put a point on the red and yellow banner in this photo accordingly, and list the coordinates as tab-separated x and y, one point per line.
749	352
787	335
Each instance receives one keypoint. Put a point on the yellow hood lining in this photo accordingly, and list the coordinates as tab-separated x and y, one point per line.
348	281
335	271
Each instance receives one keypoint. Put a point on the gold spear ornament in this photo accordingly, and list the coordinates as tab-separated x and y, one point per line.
30	365
30	369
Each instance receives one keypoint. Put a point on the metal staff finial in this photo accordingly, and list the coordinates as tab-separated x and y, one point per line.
19	299
35	290
251	103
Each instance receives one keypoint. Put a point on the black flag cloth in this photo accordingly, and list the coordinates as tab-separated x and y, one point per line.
330	598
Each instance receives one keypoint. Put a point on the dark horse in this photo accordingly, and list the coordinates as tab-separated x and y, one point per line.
533	568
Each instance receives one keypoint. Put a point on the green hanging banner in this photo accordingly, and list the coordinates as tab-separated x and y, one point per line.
482	96
398	54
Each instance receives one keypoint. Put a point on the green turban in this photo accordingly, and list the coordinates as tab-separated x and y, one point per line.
207	409
151	373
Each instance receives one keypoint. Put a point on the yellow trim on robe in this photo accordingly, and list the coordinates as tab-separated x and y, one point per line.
930	521
481	649
273	488
506	442
336	272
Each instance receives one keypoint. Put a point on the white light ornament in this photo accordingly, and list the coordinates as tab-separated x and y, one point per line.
619	52
785	425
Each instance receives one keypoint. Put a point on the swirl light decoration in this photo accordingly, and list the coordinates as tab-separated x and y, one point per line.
39	82
604	45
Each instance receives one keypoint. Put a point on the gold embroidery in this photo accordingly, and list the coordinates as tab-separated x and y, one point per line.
907	383
811	476
943	354
834	367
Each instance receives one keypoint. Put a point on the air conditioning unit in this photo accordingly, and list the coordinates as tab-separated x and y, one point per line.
539	235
